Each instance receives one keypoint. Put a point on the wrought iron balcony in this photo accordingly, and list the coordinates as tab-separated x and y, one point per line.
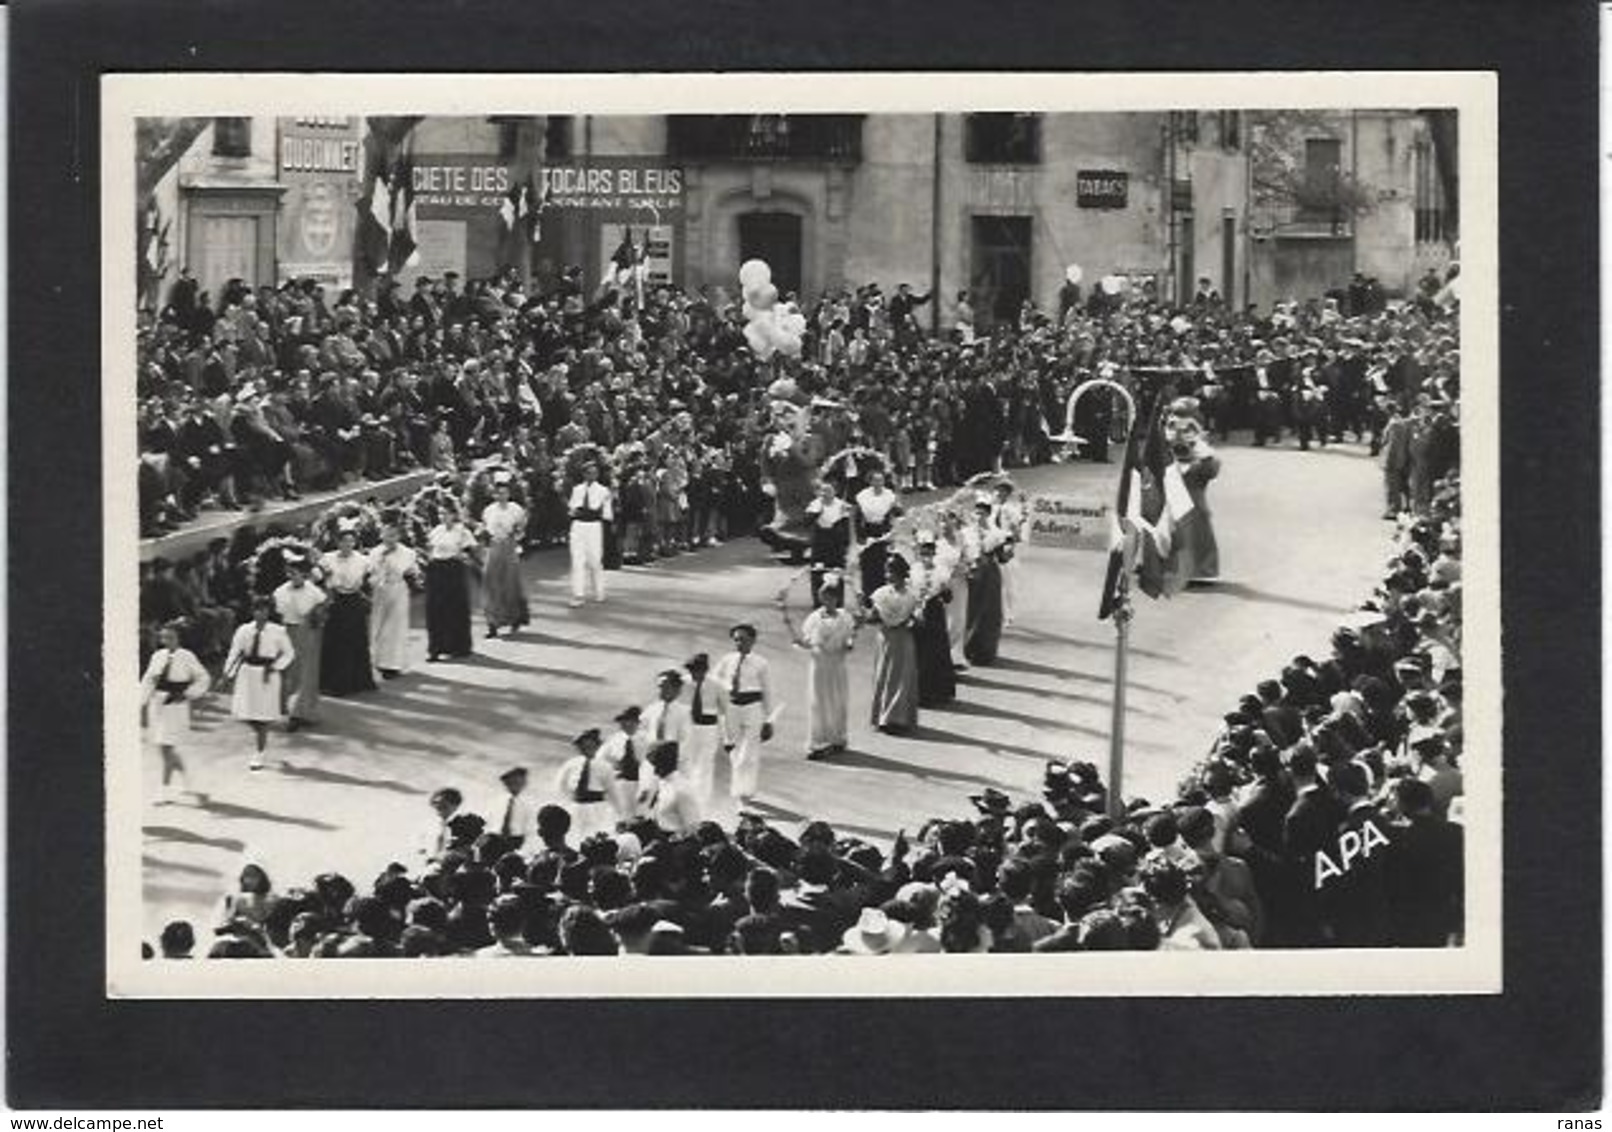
766	137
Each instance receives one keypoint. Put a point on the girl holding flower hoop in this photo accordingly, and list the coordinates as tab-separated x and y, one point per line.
829	634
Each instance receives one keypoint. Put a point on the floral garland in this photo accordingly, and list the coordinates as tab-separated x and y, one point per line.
850	605
425	510
326	527
574	457
857	461
265	570
479	489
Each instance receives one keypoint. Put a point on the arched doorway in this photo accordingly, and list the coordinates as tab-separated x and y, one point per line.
776	238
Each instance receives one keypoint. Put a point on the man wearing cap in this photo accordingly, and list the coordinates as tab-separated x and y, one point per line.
513	817
705	732
623	755
745	705
301	606
582	783
591	509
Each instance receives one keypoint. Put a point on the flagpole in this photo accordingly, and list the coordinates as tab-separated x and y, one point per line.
1116	726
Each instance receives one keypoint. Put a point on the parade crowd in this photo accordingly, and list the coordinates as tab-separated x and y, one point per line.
1326	814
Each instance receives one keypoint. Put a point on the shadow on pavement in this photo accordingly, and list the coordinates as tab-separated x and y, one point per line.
862	760
336	778
185	837
1249	593
150	862
984	711
230	810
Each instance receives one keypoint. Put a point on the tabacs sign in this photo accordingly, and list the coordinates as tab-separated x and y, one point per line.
1102	188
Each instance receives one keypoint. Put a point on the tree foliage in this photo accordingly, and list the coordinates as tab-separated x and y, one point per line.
158	143
1282	178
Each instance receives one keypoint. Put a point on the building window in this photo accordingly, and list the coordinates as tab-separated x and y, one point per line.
1231	129
1320	192
765	137
232	137
1184	126
1004	139
558	132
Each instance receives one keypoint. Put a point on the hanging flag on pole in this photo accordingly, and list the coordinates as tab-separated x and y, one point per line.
538	209
1149	400
156	240
404	249
386	203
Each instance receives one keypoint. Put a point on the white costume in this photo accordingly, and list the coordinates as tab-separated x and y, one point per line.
256	659
745	700
173	679
698	760
582	786
623	754
590	511
1009	518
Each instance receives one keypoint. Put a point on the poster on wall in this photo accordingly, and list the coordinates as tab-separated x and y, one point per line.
656	241
319	160
442	247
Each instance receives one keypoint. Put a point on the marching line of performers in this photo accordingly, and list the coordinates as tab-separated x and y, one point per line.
308	639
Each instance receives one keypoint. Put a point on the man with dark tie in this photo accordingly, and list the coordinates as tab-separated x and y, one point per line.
745	706
623	755
705	732
514	816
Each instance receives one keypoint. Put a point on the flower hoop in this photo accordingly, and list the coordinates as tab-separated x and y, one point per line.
853	463
265	570
425	510
479	490
573	459
326	528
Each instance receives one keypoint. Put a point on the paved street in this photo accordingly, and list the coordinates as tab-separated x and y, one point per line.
1301	543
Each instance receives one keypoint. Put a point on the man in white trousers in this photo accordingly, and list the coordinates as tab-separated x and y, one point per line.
590	511
705	731
668	720
745	703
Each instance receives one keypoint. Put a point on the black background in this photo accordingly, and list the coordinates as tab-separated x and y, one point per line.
1536	1047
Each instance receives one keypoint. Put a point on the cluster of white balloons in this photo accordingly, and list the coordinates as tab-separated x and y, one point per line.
770	327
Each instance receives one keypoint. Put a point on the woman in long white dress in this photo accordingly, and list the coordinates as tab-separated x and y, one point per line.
828	633
259	652
394	570
173	680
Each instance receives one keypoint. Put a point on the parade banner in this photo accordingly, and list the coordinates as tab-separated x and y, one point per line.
320	161
1071	521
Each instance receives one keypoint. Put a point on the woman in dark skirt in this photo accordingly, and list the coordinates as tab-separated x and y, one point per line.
984	631
447	587
937	679
344	662
877	507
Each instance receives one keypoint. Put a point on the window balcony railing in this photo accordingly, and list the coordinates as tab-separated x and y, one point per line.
766	137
